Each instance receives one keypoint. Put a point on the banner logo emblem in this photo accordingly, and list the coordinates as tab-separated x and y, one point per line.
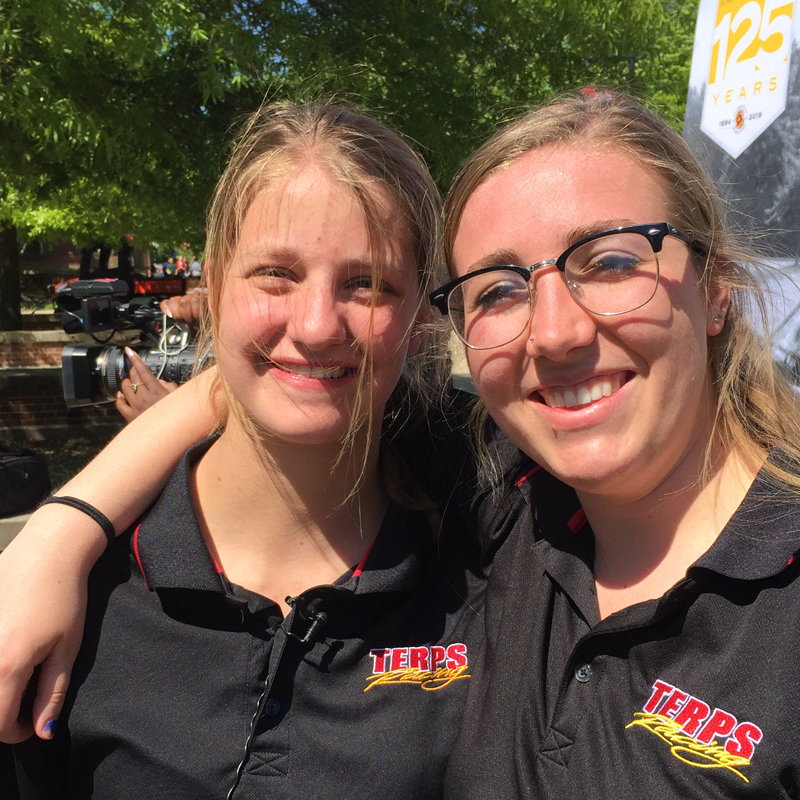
747	46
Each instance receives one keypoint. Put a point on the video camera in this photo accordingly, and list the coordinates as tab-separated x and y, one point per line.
93	373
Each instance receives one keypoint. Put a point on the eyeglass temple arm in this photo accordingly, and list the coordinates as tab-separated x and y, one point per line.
693	244
438	299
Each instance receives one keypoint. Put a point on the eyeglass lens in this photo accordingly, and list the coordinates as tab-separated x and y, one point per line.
610	275
490	310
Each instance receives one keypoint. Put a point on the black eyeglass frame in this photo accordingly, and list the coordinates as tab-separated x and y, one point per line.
654	233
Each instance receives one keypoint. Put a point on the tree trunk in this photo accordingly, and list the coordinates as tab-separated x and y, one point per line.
125	263
105	254
85	272
10	299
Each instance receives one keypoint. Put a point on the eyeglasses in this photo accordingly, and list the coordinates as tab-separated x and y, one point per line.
607	273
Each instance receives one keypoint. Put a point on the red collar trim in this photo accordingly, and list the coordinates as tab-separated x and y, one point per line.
527	475
577	521
360	566
136	554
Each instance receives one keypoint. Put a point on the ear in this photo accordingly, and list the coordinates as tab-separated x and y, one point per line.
718	305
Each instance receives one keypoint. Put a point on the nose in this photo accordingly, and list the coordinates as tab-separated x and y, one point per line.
558	324
315	317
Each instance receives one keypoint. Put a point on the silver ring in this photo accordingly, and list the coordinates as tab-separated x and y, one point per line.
134	387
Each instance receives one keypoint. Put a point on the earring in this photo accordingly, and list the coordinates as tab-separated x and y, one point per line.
716	319
530	338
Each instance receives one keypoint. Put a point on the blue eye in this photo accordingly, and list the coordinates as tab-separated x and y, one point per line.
365	285
607	266
497	296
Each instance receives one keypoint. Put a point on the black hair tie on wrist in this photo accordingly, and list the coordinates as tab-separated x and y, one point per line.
81	505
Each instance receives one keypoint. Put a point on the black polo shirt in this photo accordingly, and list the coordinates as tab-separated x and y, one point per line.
195	686
691	695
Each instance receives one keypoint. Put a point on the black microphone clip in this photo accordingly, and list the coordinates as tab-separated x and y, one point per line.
316	620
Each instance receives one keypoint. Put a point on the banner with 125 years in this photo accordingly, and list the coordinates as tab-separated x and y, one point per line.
743	121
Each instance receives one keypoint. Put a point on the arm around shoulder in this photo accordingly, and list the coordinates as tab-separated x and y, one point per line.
43	572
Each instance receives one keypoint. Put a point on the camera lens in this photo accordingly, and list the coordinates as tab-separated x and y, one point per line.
94	373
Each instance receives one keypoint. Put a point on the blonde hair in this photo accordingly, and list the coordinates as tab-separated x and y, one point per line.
757	410
380	170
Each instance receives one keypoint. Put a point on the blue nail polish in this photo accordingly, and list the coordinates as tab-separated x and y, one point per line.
50	728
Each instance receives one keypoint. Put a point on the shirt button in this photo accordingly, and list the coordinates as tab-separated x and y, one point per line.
273	706
583	672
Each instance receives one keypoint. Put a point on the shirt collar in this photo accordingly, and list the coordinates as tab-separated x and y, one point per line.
168	544
396	561
172	554
761	538
759	541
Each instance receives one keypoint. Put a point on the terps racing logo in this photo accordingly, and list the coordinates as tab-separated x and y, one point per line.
431	668
691	728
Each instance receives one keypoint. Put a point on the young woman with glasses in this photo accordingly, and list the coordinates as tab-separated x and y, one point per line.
640	625
648	635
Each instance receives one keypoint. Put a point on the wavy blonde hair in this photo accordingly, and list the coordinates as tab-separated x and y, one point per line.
391	185
757	410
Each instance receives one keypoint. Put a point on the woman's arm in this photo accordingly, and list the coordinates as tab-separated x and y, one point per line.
43	572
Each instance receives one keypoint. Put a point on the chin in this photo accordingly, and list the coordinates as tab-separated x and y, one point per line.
306	435
583	464
582	477
286	426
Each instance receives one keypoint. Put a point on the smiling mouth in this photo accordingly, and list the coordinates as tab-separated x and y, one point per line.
582	394
311	371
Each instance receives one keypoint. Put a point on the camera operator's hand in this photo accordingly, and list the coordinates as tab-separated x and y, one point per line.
141	389
189	308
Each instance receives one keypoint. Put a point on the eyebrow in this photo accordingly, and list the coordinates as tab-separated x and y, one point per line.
581	232
288	257
499	258
261	252
502	258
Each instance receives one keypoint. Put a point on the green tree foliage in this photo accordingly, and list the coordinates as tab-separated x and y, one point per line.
103	116
115	114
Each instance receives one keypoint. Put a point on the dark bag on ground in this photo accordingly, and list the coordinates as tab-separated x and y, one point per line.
24	480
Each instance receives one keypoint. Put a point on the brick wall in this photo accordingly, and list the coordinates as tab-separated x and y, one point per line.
31	393
30	354
20	409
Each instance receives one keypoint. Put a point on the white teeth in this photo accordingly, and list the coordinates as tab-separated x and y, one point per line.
309	371
560	397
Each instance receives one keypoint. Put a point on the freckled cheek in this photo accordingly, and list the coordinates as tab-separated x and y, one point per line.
245	316
389	331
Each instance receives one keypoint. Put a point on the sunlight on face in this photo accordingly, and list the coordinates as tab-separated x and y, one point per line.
608	404
299	310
